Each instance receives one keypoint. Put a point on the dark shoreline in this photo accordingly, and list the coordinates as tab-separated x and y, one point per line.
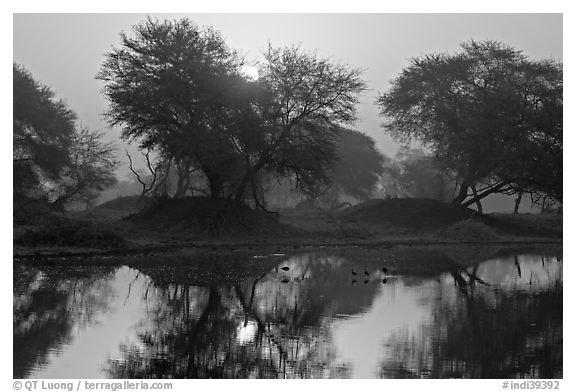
22	253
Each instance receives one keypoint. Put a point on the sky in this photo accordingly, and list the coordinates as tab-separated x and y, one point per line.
65	51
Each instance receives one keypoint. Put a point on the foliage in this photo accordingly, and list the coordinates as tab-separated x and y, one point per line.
53	158
91	169
168	86
308	96
414	173
353	176
179	89
43	128
488	113
359	164
76	233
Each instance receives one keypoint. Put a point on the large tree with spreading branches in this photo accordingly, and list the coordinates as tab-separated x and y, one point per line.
489	114
179	89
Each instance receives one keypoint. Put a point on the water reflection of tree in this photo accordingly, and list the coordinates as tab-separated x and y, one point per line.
192	336
256	328
481	331
48	302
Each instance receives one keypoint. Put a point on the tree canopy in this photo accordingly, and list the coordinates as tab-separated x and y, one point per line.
359	164
43	128
53	157
91	170
488	113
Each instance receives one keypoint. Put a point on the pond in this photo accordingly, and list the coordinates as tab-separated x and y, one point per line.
315	313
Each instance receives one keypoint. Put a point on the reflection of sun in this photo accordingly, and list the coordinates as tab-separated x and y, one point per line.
246	332
250	71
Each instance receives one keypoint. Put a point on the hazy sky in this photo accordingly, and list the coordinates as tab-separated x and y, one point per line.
65	51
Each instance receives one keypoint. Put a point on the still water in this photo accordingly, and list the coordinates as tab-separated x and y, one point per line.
327	314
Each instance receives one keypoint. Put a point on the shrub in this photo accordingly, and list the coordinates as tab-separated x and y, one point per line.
77	233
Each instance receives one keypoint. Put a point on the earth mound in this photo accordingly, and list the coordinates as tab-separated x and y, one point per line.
529	225
413	214
471	230
203	216
124	203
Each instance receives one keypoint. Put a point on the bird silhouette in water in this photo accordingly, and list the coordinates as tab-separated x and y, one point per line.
285	268
354	272
366	272
366	281
384	281
385	270
285	280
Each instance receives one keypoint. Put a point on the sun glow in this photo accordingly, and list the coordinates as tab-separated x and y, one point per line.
250	71
246	332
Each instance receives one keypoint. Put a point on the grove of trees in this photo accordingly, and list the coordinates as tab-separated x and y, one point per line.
488	118
353	177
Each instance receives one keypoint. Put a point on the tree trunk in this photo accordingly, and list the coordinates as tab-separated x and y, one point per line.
257	201
251	172
247	179
543	208
180	190
477	200
216	187
485	193
183	173
242	186
462	193
517	201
